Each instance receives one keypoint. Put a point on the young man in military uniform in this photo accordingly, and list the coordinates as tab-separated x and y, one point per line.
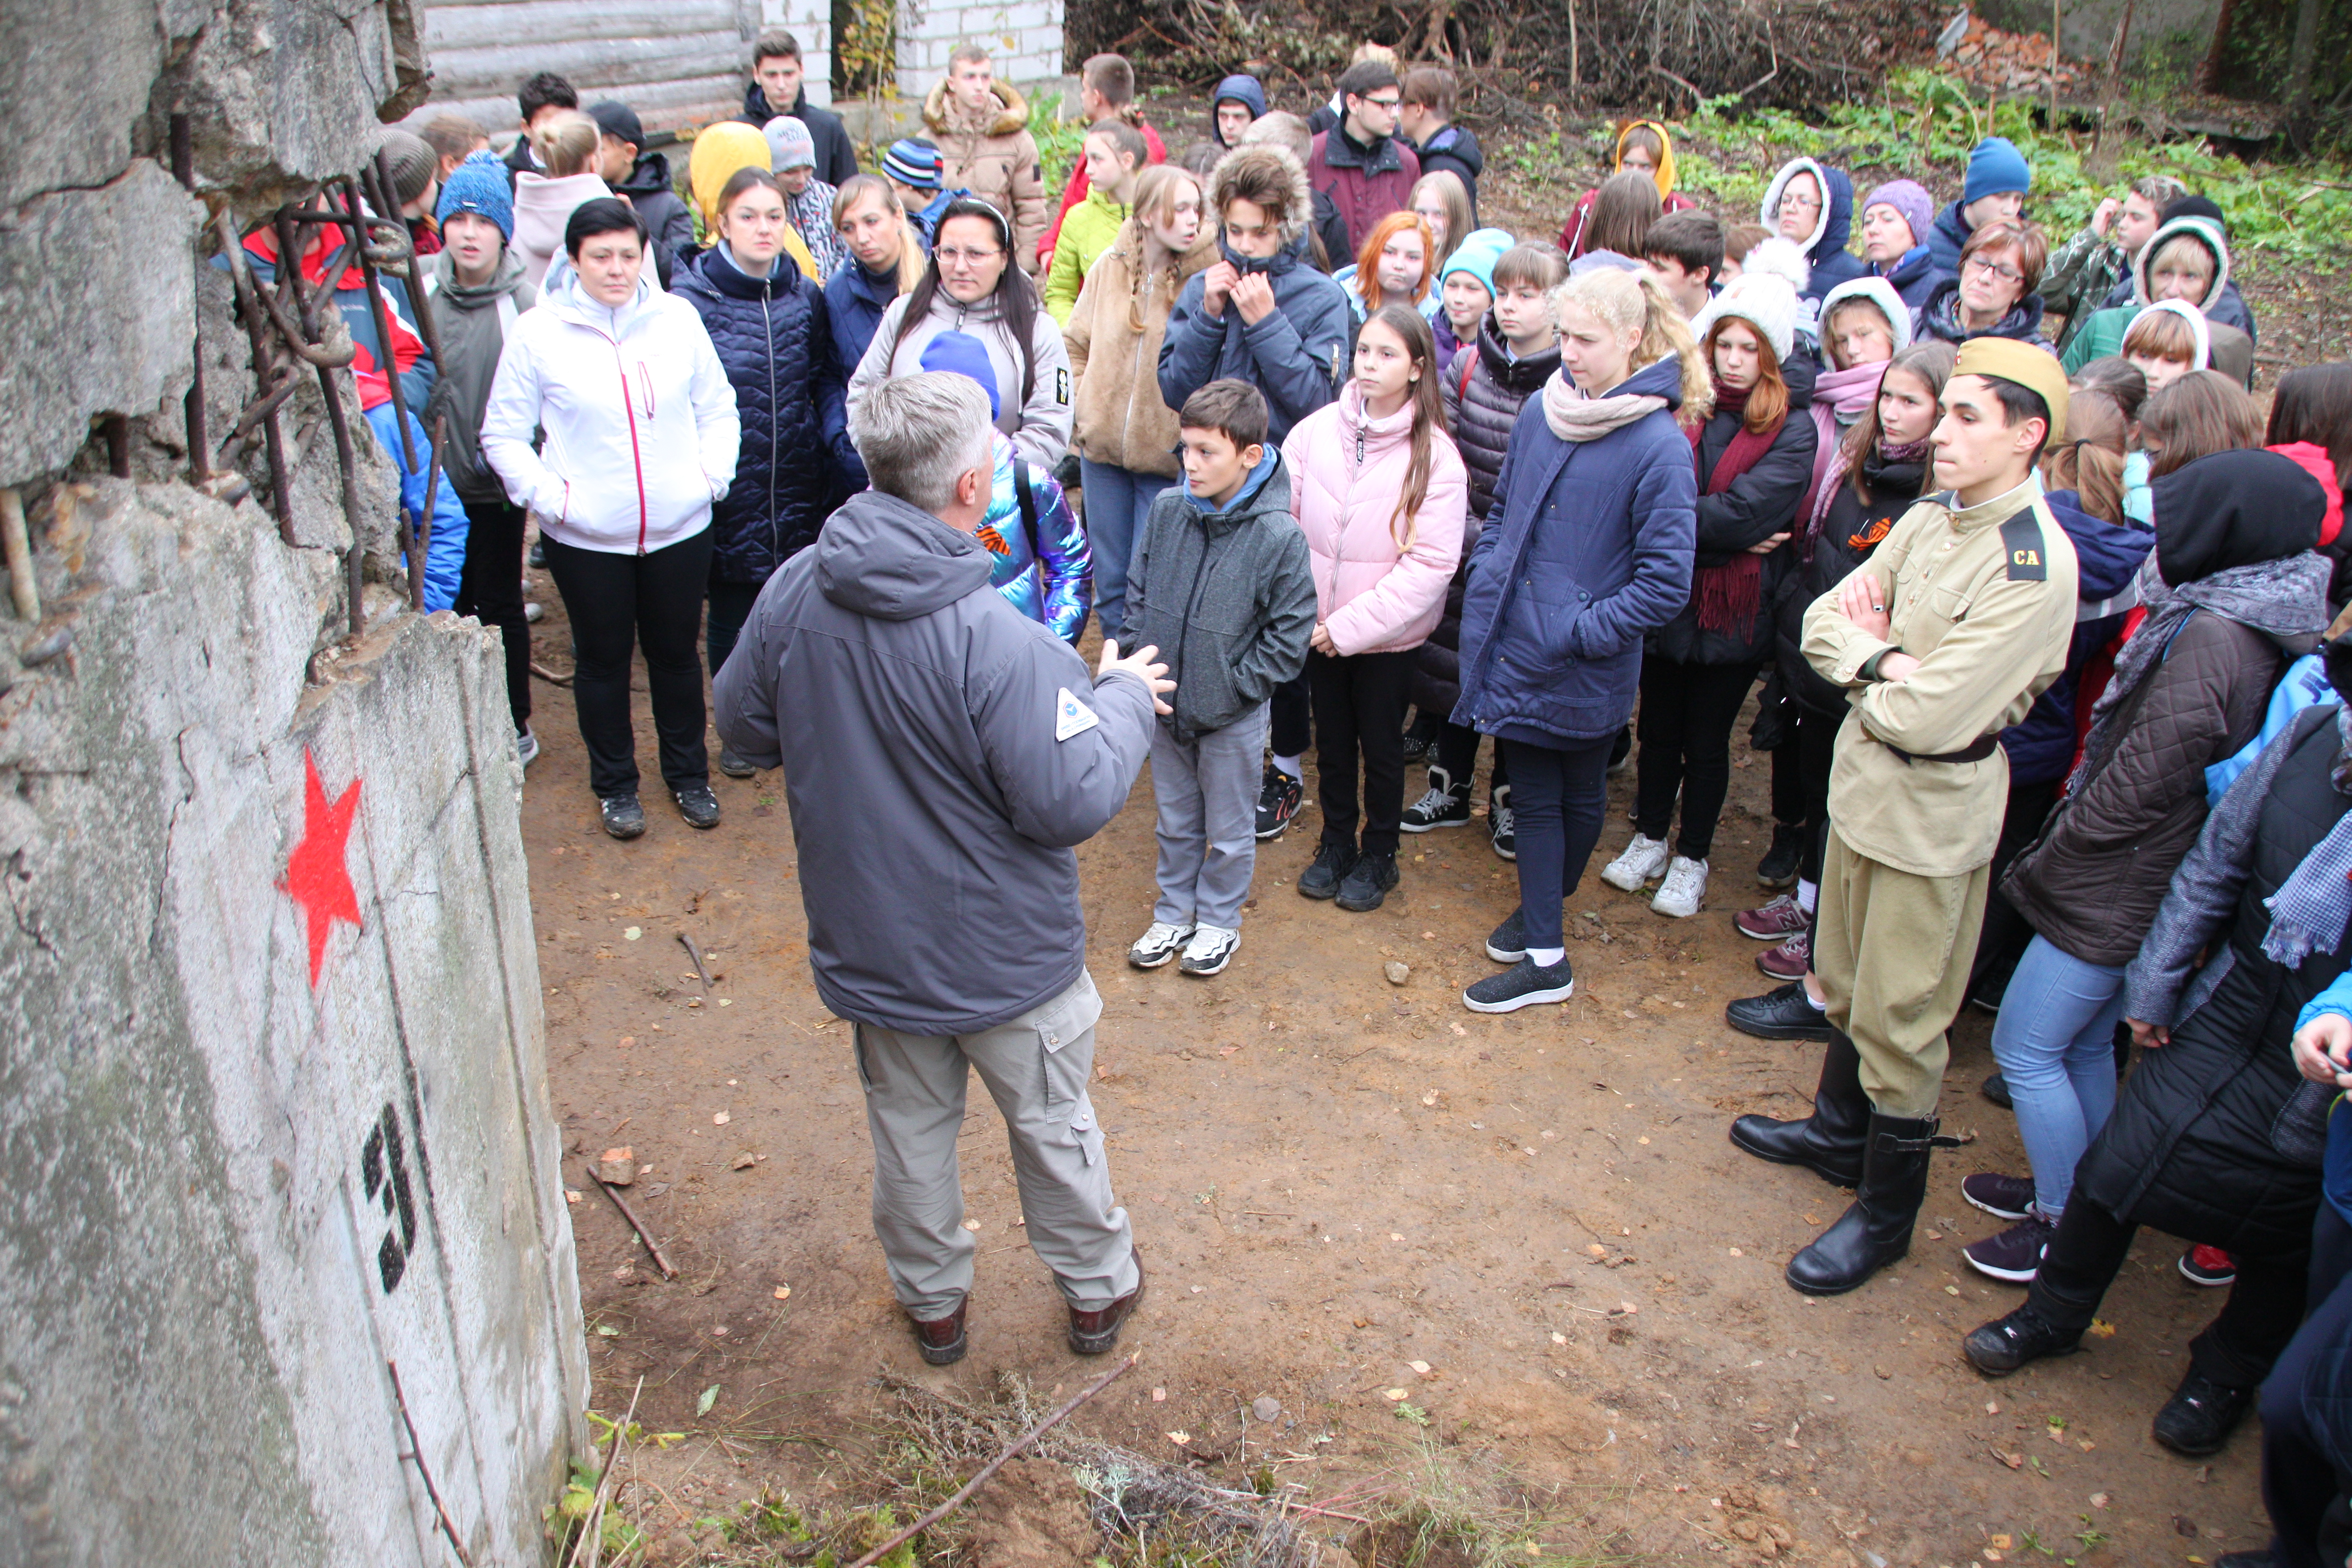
1946	636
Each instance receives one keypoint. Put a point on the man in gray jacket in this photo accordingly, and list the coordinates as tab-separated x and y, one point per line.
892	683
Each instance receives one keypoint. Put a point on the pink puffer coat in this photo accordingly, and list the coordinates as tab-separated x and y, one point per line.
1346	473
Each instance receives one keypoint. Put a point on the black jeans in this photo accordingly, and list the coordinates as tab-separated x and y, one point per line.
2299	1480
730	607
618	601
1687	712
1457	753
1359	704
1561	798
1290	728
489	589
1814	747
2236	1350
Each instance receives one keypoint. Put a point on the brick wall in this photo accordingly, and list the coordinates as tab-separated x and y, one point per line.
1023	36
810	22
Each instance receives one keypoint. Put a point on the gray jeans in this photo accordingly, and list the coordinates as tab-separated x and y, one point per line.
1206	791
1035	1068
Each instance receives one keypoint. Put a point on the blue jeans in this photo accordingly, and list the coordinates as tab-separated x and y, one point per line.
2054	1040
1118	502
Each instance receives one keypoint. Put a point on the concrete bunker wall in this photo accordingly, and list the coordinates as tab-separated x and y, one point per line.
276	1120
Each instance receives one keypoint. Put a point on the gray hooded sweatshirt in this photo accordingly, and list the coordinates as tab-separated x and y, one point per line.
943	754
473	325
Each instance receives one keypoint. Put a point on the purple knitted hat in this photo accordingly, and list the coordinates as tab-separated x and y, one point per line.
1910	198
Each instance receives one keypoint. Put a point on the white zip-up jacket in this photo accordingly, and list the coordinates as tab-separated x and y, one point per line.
639	416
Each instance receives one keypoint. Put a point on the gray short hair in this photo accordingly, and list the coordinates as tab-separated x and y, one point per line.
920	434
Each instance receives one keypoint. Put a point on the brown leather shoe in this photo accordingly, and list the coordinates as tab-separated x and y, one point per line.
1091	1333
941	1339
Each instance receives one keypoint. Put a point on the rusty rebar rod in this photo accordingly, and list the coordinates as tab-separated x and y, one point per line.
411	269
390	366
249	306
183	169
347	460
118	445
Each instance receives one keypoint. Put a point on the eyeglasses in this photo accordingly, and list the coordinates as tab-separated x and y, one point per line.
954	257
1794	199
1386	105
1993	269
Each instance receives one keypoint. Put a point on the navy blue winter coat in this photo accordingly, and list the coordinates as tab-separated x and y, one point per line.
1587	552
853	303
1833	263
1915	275
771	335
2040	746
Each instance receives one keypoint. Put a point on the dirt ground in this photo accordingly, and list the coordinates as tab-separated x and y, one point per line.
1335	1182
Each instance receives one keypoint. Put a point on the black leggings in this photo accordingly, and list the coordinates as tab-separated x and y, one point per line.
1457	753
2236	1350
618	601
489	589
1291	726
730	607
1560	796
1812	750
1687	712
1359	704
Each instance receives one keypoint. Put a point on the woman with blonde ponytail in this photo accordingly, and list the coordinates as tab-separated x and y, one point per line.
1126	433
1587	550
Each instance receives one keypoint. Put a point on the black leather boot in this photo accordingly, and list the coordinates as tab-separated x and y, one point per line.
1829	1143
1876	1229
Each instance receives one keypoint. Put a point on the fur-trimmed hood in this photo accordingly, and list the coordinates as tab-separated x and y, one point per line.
1012	114
2207	233
1251	164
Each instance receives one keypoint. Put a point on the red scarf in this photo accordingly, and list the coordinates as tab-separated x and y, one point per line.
1729	595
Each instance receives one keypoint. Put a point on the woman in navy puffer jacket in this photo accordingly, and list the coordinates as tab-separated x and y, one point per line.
768	325
1587	551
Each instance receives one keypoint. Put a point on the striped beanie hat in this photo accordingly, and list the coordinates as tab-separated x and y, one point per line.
913	162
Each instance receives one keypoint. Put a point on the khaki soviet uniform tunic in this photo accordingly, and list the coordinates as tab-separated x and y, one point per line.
1984	598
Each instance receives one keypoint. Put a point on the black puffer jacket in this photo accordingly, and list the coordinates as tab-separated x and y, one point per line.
1759	504
1483	392
772	334
2188	1147
1850	534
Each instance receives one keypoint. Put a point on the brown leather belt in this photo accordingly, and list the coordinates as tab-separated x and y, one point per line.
1976	751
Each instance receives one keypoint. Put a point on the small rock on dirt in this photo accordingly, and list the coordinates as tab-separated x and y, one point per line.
743	1161
1266	1407
619	1167
1398	973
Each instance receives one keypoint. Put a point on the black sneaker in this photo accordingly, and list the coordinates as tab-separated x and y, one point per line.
623	818
698	805
1996	1089
1523	984
1447	804
538	552
1279	799
1420	736
2199	1417
2002	1346
734	766
1332	864
1502	824
1368	882
2014	1255
1783	1013
2208	1266
1780	863
1509	944
2003	1198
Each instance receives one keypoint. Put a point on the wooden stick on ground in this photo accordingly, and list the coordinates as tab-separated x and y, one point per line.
634	1223
974	1485
417	1453
696	954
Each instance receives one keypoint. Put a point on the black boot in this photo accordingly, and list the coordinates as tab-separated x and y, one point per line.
1829	1141
1876	1229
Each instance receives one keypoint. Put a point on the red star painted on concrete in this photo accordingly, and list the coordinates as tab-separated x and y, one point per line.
315	874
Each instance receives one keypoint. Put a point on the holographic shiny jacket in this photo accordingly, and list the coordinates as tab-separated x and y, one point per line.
1043	568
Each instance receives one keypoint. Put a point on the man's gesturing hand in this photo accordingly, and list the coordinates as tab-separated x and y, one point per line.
1142	666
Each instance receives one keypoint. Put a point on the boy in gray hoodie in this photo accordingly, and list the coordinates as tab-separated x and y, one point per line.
1220	582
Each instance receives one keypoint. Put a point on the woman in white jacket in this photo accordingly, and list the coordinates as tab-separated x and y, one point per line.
642	437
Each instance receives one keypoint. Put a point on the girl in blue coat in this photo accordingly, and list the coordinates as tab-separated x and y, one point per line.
1587	550
768	324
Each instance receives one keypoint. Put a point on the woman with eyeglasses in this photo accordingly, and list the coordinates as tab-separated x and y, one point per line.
1993	295
972	286
1811	205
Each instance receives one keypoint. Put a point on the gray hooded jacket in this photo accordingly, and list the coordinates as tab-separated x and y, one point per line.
1226	596
473	327
895	687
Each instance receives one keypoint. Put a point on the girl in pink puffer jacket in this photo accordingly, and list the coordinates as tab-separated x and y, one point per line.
1380	494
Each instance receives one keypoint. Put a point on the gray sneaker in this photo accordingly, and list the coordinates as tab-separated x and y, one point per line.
1211	949
1156	946
1523	984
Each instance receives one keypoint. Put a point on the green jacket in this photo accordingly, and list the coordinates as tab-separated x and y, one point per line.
1086	232
2080	274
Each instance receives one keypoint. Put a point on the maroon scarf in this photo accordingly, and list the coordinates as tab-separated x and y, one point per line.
1729	595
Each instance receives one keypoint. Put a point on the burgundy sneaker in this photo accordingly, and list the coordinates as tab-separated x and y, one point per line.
2003	1198
2015	1254
1091	1333
942	1340
1780	919
1789	960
